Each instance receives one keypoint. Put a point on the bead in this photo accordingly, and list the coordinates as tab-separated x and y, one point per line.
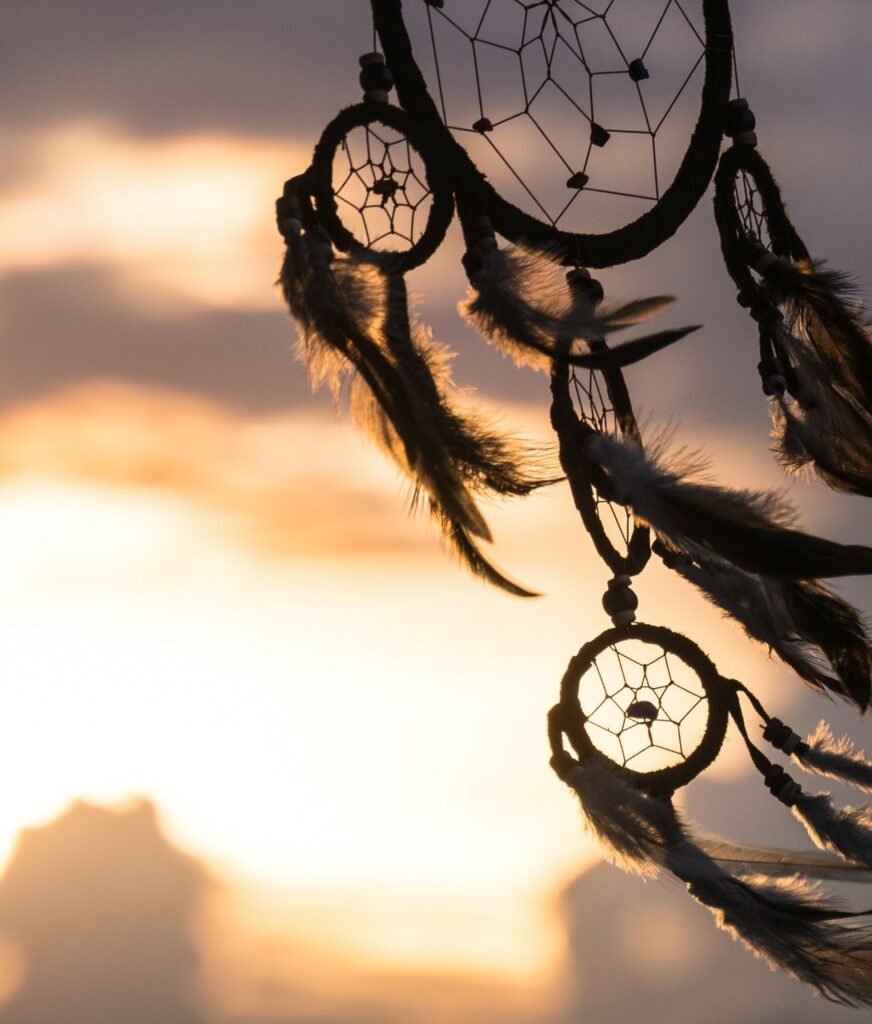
598	135
740	118
376	78
438	4
746	139
637	70
482	125
619	601
385	187
781	785
583	286
644	710
578	180
781	736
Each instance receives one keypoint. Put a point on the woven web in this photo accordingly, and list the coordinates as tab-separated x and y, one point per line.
571	100
594	407
749	204
645	709
381	188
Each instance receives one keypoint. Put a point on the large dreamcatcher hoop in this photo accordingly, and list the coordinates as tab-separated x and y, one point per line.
634	240
643	708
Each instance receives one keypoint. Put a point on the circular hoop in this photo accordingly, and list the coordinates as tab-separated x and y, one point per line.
320	182
573	721
634	240
740	251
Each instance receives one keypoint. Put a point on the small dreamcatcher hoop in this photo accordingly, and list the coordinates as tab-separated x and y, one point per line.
649	701
384	172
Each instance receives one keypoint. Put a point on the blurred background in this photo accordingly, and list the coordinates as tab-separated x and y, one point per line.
266	754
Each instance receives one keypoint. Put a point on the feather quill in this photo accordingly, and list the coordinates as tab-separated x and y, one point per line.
536	331
749	529
819	635
784	921
352	327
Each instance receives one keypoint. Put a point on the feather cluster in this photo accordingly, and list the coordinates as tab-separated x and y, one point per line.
740	549
818	634
826	346
354	325
780	916
519	303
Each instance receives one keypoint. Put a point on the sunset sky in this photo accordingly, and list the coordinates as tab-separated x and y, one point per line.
214	599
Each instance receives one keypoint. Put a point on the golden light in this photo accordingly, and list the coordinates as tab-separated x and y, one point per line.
234	616
185	217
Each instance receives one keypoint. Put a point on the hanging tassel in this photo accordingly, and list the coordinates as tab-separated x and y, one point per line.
351	325
816	633
749	529
528	329
785	922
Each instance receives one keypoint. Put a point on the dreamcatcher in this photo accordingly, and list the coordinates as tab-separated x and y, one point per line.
642	710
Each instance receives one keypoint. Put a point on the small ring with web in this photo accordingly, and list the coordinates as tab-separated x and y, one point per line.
373	168
650	701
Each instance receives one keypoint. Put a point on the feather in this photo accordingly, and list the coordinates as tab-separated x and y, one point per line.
353	326
826	342
749	529
766	862
846	830
500	306
825	428
784	921
823	306
816	633
837	759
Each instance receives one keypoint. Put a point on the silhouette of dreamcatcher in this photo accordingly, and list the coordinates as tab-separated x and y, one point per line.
528	119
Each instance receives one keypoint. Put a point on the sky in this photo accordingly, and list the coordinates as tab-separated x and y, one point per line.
240	677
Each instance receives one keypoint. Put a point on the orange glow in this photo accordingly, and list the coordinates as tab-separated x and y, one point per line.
185	218
245	626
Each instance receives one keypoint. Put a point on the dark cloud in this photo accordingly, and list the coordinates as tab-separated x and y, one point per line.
219	65
72	323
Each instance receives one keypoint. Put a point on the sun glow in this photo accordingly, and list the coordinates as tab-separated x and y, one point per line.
234	616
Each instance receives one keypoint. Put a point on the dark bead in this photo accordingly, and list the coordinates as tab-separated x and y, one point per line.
578	180
376	77
740	118
483	124
583	285
637	70
643	710
776	732
598	135
439	4
385	187
375	74
621	599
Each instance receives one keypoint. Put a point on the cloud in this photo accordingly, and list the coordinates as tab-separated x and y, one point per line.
281	481
188	216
